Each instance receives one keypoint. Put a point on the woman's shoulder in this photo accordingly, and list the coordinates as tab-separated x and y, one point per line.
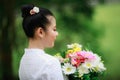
51	60
39	56
49	57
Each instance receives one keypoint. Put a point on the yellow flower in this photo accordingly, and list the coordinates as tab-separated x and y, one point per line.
77	49
57	55
70	51
75	45
66	60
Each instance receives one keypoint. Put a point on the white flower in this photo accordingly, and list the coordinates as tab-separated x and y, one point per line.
89	64
82	70
74	45
69	46
68	69
36	9
98	58
100	67
95	64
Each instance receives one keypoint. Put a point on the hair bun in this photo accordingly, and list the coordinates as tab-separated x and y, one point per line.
26	10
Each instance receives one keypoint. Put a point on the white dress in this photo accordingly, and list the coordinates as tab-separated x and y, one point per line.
37	65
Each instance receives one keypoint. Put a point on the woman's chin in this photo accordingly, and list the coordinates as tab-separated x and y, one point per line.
51	46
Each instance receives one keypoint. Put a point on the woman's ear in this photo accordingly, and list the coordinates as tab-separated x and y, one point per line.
39	32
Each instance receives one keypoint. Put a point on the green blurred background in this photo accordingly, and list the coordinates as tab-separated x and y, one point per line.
92	23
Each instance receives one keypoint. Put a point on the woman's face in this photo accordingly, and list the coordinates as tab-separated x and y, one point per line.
50	33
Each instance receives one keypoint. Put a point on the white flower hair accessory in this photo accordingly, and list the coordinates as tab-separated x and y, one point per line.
34	10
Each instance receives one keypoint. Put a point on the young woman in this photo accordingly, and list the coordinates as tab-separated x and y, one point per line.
39	25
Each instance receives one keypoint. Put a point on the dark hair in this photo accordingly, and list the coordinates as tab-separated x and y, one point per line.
31	22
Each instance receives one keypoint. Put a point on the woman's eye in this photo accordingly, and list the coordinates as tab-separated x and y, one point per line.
54	29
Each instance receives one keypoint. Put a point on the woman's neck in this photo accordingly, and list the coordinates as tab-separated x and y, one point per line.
33	43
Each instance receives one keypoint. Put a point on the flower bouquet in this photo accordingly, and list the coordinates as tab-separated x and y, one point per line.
78	64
